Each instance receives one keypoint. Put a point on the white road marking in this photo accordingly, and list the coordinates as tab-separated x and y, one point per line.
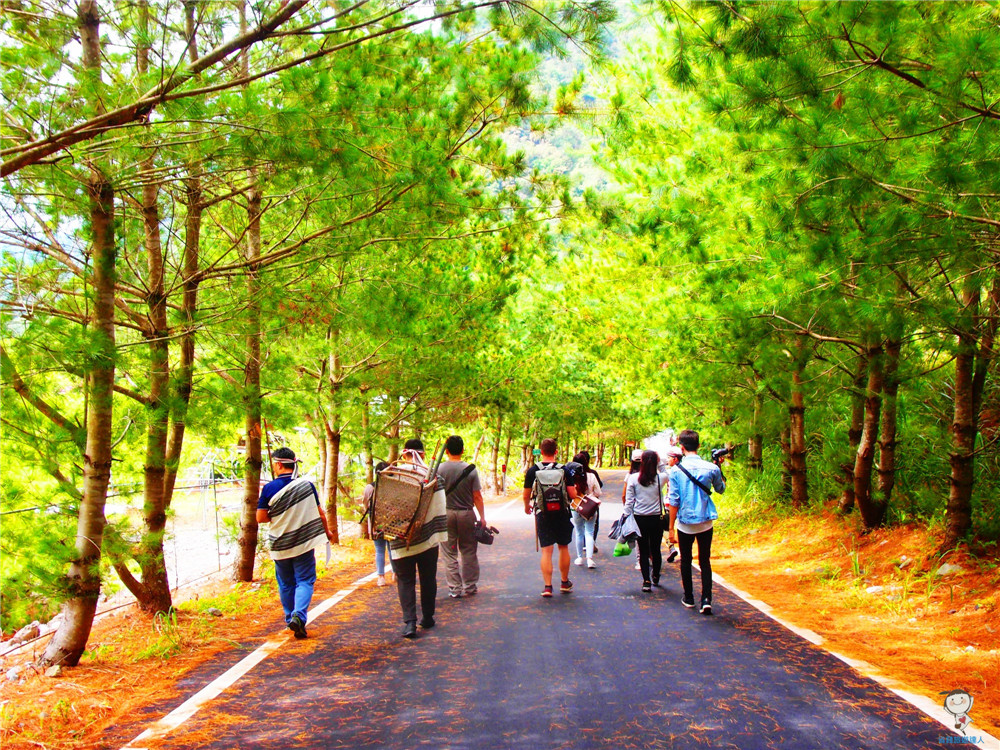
922	703
212	690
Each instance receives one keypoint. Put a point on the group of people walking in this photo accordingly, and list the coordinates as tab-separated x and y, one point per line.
552	492
687	515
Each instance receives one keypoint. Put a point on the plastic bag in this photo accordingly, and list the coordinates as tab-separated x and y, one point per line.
623	549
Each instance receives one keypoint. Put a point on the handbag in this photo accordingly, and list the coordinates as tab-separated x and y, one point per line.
484	534
588	506
664	514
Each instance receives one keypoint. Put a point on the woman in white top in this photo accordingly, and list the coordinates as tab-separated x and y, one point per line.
644	500
584	527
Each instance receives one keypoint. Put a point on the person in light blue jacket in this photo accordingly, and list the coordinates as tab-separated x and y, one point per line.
692	514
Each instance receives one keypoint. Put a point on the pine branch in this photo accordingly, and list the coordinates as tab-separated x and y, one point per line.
11	376
139	111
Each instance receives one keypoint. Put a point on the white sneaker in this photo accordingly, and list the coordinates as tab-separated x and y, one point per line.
637	565
590	563
380	581
578	561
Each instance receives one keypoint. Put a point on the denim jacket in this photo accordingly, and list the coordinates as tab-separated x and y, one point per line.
692	503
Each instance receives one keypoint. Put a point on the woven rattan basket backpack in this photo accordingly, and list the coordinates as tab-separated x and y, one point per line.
402	496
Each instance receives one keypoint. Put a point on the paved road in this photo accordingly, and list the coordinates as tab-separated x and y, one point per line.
606	666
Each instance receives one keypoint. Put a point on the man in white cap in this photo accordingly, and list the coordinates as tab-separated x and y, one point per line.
291	505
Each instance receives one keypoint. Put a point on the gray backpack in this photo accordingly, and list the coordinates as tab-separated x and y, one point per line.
549	491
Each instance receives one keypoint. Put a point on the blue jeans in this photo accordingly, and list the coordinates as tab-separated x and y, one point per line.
381	545
296	576
584	535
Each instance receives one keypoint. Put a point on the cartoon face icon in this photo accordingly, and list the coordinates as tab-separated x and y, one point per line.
958	702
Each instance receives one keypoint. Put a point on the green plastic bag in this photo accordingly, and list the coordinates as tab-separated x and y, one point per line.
622	549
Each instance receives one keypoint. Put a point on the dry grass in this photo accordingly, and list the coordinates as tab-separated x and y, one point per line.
930	632
135	661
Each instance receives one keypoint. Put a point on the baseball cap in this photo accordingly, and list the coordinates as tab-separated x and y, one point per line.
637	454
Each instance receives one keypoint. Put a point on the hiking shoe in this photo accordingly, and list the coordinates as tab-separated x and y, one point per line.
578	561
673	554
646	586
706	607
547	591
297	626
410	630
427	623
566	586
688	601
590	563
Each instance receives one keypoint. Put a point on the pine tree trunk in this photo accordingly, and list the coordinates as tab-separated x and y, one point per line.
394	440
958	517
495	457
333	433
366	441
970	380
786	462
333	437
366	438
872	509
887	431
183	379
506	455
319	435
155	591
755	443
479	445
854	430
797	440
83	581
247	541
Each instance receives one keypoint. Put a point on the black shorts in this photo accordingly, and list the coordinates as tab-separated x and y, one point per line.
554	529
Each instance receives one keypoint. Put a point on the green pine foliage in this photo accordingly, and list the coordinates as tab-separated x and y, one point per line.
531	216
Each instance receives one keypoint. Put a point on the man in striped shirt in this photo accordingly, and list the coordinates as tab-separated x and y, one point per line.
291	505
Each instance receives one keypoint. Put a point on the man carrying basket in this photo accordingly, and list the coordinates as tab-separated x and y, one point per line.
418	555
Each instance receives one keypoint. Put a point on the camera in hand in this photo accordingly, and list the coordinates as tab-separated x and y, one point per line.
720	453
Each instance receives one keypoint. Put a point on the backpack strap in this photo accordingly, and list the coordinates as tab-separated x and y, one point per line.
701	486
459	479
